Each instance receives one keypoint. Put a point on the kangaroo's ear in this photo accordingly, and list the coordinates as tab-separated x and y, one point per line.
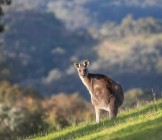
85	63
76	64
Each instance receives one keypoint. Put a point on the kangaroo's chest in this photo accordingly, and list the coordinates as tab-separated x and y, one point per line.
97	90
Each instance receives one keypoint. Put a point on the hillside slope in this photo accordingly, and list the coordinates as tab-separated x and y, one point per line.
142	122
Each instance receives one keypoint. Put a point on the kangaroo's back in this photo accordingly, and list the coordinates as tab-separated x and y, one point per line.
108	85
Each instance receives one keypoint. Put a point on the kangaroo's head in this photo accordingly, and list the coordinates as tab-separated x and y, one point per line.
82	68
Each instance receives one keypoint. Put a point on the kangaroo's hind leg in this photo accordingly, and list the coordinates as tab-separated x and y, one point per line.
113	109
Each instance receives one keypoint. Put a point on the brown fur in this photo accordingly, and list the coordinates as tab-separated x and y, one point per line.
105	93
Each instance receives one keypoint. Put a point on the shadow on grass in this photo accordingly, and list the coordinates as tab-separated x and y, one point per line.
92	128
150	130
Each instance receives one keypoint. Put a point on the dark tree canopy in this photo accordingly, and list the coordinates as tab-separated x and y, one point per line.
1	25
3	2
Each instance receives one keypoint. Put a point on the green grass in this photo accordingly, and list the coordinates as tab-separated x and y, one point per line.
140	123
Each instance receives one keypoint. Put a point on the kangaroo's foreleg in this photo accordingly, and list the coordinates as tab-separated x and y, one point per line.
97	115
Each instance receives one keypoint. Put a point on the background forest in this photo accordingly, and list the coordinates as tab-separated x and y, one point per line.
39	85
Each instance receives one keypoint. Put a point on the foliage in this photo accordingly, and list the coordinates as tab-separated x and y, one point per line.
24	112
136	95
16	121
20	113
64	110
129	27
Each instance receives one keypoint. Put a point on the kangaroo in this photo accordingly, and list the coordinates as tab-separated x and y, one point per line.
106	94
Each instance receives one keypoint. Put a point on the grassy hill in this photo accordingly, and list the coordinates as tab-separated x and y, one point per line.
140	122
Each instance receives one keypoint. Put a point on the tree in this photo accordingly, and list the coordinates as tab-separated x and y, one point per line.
3	2
1	14
2	28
